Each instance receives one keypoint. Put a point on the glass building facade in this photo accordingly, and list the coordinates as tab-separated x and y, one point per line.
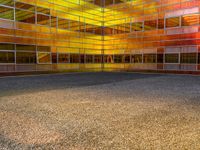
99	35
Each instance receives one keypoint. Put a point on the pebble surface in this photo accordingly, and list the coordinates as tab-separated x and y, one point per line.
84	111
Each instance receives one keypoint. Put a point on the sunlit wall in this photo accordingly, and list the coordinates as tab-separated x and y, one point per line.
38	35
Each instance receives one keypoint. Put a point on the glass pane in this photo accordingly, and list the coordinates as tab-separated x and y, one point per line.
44	58
44	48
160	23
25	47
6	13
54	57
171	58
43	19
189	58
82	58
43	10
24	6
172	22
25	16
6	46
118	58
108	59
53	22
127	58
159	58
89	58
63	23
25	57
137	26
74	58
74	25
7	57
150	25
127	27
198	58
7	2
149	58
89	28
190	20
97	59
63	58
137	58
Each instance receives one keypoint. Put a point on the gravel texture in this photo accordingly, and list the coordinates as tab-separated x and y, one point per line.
100	111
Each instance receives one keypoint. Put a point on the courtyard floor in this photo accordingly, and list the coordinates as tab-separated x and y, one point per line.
100	111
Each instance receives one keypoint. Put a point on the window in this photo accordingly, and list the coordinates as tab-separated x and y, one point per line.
82	58
127	27
75	25
117	1
160	23
149	58
25	16
43	19
189	58
25	54
44	48
24	6
63	23
98	30
159	58
25	57
25	13
89	28
171	58
107	31
53	22
137	26
54	58
108	58
137	58
189	20
81	26
198	58
172	22
150	25
43	10
44	58
7	46
118	58
63	58
97	59
7	57
7	2
120	28
25	47
6	13
127	59
89	58
74	58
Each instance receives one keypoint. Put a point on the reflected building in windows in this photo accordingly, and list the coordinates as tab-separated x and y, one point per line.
99	35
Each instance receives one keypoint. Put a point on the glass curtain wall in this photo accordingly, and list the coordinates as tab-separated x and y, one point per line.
99	35
157	35
50	35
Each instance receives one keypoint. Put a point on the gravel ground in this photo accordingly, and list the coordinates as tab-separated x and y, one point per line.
100	111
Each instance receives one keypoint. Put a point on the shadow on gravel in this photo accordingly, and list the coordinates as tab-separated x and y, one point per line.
8	143
18	85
